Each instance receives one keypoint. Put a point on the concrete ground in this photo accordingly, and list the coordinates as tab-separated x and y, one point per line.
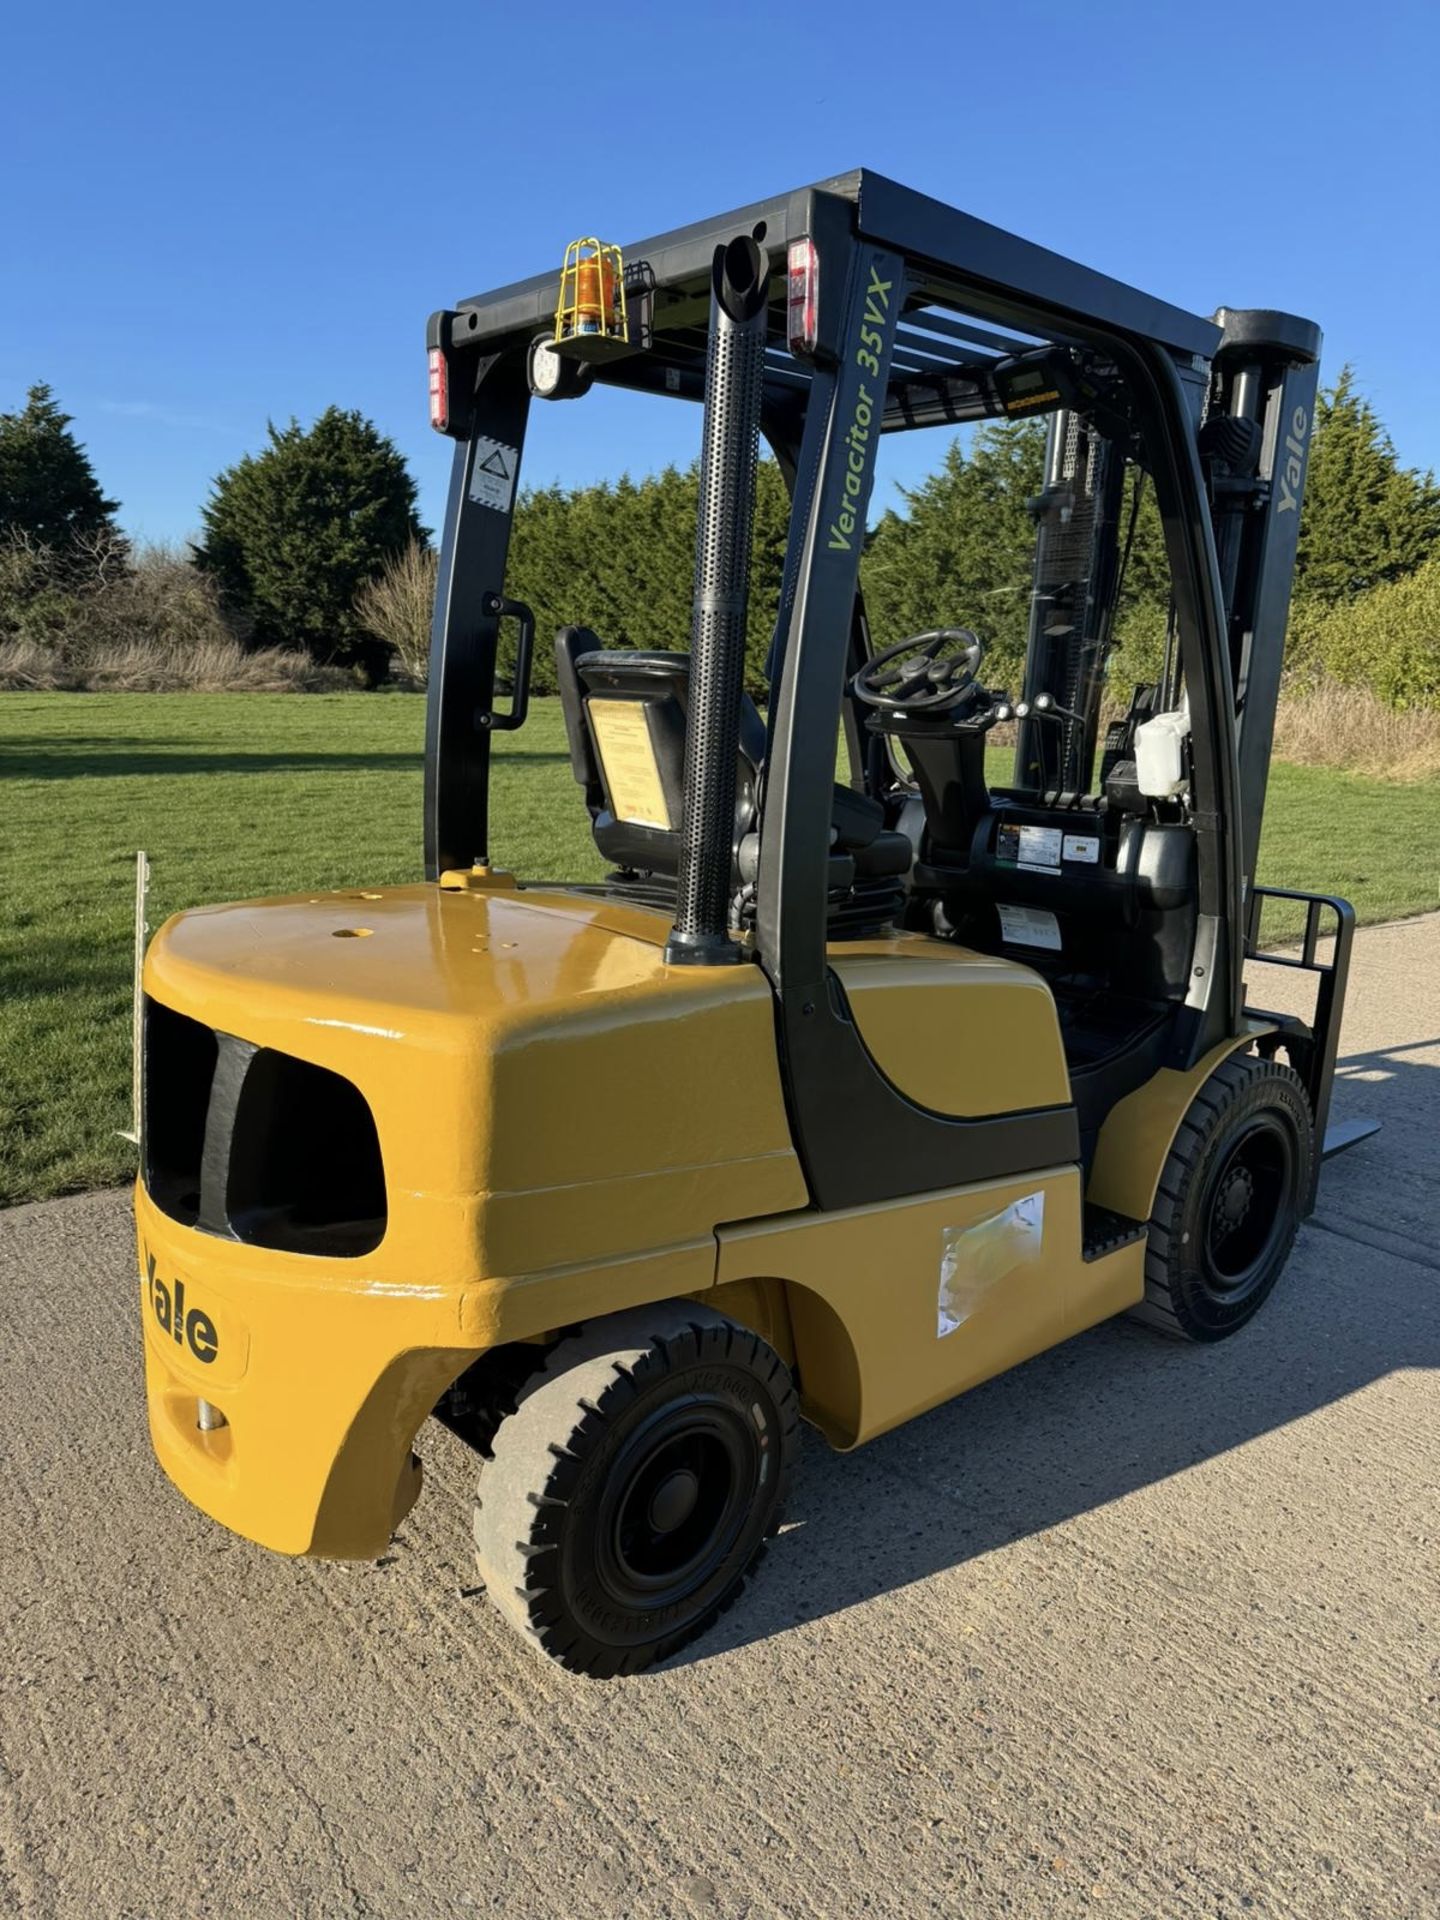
1139	1630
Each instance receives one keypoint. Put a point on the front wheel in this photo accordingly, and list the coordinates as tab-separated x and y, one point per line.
1231	1197
632	1490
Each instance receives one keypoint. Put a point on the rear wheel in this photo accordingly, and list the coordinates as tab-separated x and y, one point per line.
631	1491
1230	1200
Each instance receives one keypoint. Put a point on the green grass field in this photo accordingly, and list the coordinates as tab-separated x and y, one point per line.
237	795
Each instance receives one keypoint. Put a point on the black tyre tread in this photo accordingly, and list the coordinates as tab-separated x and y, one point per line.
584	1378
1230	1082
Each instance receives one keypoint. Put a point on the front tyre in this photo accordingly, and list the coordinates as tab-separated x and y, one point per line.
1231	1197
633	1488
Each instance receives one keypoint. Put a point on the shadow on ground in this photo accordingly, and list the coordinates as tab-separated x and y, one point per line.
96	757
85	758
1120	1407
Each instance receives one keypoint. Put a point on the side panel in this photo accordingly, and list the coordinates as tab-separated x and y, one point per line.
1140	1129
955	1031
323	1379
637	1125
900	1306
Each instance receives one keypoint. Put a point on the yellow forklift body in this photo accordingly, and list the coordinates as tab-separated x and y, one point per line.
569	1127
892	1309
562	1119
1003	1056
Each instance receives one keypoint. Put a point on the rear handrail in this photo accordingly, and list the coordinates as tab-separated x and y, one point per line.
1316	1067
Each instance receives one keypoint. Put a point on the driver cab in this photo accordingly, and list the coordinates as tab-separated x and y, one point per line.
1089	881
1051	821
1062	868
1007	822
626	716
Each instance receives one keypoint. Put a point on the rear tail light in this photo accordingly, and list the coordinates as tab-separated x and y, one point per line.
803	298
439	391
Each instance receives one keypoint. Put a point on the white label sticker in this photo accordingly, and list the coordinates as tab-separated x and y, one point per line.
975	1259
1030	927
1082	846
1040	847
492	477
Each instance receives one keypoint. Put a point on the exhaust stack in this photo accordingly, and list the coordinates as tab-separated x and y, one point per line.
734	380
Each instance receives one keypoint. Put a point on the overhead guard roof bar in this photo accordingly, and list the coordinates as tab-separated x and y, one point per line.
975	336
925	231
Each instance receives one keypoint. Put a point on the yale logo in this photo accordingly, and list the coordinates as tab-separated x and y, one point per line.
193	1329
1292	467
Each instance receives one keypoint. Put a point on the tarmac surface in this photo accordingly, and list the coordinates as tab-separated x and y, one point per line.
1138	1630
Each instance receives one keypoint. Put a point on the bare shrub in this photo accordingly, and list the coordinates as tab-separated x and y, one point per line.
396	608
217	664
152	626
1324	724
162	602
39	603
29	666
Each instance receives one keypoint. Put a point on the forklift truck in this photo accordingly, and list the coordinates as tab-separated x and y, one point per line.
833	1098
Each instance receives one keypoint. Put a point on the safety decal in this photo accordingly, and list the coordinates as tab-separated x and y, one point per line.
1029	927
1035	848
1040	847
492	476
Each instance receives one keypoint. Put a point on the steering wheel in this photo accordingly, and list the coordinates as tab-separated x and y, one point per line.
930	674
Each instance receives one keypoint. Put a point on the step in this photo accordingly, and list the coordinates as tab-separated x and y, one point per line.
1103	1231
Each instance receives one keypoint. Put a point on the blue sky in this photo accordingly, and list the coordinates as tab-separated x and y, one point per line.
218	216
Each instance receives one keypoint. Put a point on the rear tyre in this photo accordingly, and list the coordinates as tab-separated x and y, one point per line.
1231	1197
631	1492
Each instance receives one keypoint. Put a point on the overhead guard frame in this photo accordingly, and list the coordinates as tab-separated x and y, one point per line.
1006	288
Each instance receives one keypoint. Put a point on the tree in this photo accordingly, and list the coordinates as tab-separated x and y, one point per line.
621	559
48	491
293	533
963	552
397	605
1366	519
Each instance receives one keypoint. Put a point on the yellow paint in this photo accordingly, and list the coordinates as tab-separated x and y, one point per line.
1107	1287
959	1032
627	753
566	1126
478	880
1139	1130
536	1075
863	1288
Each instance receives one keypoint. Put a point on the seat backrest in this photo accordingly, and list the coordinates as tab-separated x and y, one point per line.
625	715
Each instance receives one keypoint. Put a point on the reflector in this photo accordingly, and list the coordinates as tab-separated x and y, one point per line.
803	296
439	391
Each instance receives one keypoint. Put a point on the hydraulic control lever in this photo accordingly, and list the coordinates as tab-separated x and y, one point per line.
1045	707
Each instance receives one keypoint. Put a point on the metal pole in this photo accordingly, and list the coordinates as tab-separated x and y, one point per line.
137	1001
734	386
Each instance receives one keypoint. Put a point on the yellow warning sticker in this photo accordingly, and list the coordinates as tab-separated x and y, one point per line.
627	754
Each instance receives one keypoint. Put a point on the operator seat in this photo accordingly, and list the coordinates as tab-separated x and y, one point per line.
625	718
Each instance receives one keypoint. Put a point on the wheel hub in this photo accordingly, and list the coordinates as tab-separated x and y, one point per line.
674	1501
680	1491
1233	1201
